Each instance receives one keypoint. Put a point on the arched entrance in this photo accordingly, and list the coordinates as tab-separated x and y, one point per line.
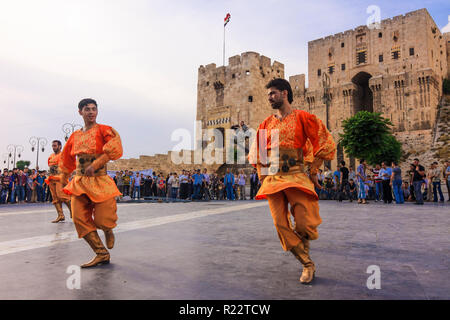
363	99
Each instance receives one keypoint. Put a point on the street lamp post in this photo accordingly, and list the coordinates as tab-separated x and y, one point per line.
69	128
6	159
14	151
38	143
326	96
326	100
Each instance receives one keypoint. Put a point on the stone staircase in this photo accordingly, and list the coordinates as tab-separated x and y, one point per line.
429	145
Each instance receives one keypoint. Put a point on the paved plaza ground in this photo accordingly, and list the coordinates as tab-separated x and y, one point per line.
229	250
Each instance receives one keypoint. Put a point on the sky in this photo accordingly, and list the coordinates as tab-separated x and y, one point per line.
139	58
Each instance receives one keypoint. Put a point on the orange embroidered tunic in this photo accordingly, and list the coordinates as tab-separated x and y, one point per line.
100	140
302	130
53	160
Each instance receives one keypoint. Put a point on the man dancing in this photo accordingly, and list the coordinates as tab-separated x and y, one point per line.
55	184
92	191
302	139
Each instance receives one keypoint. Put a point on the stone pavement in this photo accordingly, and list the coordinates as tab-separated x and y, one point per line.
229	250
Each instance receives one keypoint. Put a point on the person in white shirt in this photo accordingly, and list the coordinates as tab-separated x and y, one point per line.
241	184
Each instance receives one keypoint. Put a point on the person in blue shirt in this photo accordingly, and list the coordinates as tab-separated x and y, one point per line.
385	174
198	181
40	187
229	182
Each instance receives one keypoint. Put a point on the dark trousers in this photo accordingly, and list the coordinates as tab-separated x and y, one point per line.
387	191
184	190
126	190
418	191
436	188
230	191
197	189
253	190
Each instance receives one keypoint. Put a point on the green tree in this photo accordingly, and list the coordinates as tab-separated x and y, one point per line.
21	164
446	86
368	135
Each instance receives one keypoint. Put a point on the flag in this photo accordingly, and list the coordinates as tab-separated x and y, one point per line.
227	19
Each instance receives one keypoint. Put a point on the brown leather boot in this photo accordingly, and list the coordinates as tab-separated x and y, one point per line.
96	244
109	237
59	209
301	252
69	205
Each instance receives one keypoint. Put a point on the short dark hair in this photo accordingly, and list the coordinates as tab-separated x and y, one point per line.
343	162
83	103
281	85
58	142
362	160
415	159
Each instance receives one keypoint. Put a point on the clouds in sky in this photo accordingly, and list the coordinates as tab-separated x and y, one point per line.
139	58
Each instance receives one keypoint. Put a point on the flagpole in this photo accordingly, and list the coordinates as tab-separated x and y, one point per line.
224	45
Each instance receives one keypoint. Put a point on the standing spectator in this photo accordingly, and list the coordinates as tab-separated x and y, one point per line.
241	184
183	185
21	185
386	173
343	176
119	181
5	186
396	183
40	187
168	190
411	170
155	185
378	183
254	183
175	183
141	191
13	185
147	186
136	186
229	182
436	181
198	181
418	176
47	194
161	184
206	183
34	186
361	176
446	174
126	183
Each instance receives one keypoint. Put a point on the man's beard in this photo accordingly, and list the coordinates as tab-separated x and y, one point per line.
277	105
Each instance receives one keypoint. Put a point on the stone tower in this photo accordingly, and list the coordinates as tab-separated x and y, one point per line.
229	94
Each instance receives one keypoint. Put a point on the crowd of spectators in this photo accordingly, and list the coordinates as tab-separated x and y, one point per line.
385	182
382	182
188	184
19	186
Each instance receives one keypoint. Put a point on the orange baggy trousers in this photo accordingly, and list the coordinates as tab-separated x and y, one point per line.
304	209
56	190
89	216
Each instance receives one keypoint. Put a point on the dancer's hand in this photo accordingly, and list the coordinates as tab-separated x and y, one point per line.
90	171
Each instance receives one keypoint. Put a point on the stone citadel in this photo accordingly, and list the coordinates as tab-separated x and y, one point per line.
397	69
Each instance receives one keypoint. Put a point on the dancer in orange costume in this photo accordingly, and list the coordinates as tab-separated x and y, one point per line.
291	139
92	191
55	184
